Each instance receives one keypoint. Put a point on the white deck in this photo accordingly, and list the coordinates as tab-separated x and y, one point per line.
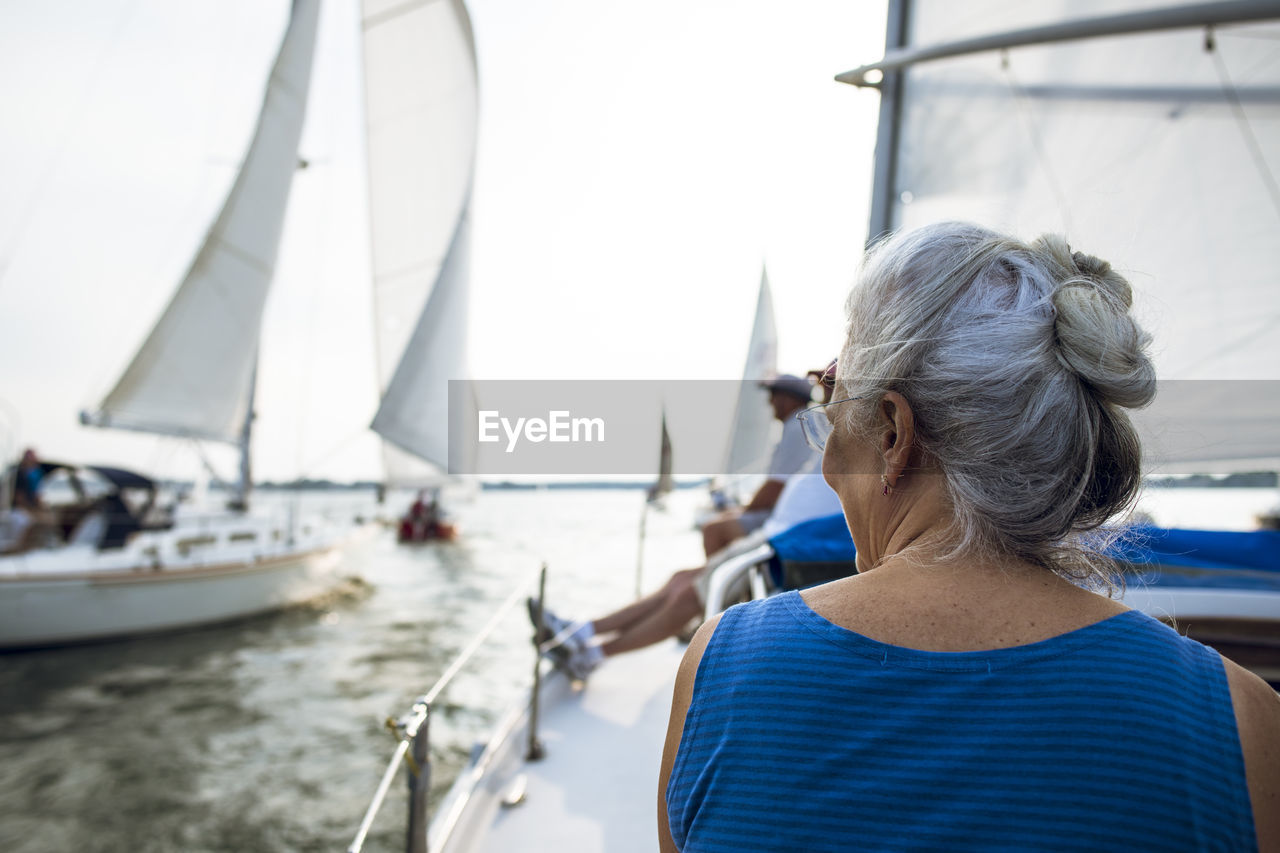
596	788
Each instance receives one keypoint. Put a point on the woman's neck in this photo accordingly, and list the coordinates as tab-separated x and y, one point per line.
926	598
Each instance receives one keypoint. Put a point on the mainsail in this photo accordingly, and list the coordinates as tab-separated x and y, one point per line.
1150	136
749	444
421	104
193	376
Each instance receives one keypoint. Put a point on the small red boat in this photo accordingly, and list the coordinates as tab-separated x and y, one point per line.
411	531
424	522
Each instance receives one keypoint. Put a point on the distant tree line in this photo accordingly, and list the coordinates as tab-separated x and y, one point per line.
1248	480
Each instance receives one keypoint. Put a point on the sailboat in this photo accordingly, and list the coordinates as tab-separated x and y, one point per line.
421	166
194	375
121	571
421	153
751	430
1146	132
666	482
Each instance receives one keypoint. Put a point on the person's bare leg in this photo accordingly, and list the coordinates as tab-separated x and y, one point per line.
681	605
638	611
719	533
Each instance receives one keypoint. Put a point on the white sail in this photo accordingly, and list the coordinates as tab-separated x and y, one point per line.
194	373
666	482
1156	150
749	442
415	411
421	105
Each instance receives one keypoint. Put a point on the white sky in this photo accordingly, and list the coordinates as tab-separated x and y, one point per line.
637	165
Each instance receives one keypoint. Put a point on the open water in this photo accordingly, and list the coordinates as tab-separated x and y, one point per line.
267	735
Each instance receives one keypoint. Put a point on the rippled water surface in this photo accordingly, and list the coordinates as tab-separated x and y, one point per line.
267	735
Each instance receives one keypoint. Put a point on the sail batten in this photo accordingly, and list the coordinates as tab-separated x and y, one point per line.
192	376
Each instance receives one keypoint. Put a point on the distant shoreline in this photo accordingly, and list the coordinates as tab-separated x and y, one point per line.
504	485
1247	480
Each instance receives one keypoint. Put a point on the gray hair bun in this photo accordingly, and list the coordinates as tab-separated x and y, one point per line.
1097	337
1020	361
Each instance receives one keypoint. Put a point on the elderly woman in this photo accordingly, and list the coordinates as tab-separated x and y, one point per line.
966	689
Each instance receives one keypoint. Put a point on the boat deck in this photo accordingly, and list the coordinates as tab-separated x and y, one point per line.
596	787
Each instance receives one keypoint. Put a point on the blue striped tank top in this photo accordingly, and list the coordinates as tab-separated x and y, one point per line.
803	735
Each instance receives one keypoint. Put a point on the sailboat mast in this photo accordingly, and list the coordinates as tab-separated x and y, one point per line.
240	500
889	128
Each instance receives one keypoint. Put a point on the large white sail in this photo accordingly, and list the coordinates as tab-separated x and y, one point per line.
415	411
193	375
421	106
1157	150
749	442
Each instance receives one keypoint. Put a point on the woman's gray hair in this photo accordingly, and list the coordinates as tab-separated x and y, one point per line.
1018	360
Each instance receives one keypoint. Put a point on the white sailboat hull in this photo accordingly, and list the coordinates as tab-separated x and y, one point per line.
162	582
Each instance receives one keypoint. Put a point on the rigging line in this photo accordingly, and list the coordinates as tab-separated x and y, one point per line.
1265	60
324	279
216	242
192	219
1020	101
208	466
1242	121
50	169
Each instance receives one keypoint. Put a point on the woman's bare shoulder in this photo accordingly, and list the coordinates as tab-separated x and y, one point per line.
675	726
1257	710
693	656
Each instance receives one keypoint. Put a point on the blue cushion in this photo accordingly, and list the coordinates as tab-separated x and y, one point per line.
1254	549
1223	559
819	540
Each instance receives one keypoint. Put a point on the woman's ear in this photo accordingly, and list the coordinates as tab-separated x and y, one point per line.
898	435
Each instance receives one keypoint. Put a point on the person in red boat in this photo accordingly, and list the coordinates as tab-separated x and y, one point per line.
425	520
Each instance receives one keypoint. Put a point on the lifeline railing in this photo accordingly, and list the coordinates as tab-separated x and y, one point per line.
413	729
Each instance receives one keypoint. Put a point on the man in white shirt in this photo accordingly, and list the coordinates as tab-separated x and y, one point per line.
788	395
